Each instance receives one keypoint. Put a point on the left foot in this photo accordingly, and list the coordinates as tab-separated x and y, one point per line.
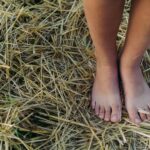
137	94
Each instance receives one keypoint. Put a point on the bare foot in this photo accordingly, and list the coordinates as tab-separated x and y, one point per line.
137	94
105	94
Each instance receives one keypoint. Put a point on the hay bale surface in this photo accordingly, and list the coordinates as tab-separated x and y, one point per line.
47	68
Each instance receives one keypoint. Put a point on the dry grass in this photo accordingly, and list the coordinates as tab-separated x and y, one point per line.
46	73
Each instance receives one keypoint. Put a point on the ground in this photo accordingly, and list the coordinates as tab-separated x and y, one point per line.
47	67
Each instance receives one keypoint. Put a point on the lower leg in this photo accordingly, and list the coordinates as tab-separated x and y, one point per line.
137	92
103	19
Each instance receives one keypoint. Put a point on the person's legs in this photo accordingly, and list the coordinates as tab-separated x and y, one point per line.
103	19
137	92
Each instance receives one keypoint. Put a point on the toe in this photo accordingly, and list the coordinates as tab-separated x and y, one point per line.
116	113
148	115
93	103
134	116
143	116
107	114
102	113
97	110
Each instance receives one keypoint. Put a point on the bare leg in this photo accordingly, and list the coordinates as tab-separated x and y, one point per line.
103	19
137	92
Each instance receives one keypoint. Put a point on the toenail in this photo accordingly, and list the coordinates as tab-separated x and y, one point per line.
137	121
101	116
96	113
114	118
106	119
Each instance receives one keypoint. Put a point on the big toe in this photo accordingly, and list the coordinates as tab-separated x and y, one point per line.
134	116
116	113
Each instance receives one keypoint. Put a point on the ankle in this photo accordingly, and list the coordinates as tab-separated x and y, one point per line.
106	65
129	65
110	63
106	61
107	69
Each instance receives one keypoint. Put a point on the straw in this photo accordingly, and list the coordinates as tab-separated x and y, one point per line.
47	67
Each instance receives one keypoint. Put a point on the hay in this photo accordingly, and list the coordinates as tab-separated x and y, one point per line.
46	73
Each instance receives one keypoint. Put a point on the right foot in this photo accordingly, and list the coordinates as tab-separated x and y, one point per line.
105	94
